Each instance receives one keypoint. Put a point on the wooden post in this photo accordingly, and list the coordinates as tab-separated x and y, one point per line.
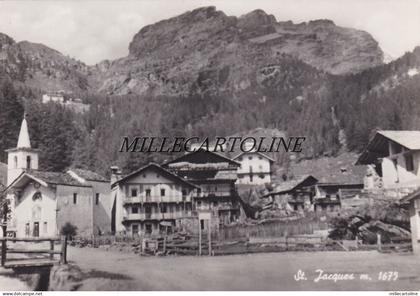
3	245
63	258
379	243
209	235
51	249
199	237
164	245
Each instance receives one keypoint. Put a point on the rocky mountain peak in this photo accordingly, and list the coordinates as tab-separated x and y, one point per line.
256	23
5	40
196	26
256	18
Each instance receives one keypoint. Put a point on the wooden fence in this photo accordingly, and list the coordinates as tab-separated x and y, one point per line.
272	229
30	255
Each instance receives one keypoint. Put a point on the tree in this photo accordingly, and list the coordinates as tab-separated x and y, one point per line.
68	230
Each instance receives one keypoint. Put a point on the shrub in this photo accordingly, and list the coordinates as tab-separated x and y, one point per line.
68	230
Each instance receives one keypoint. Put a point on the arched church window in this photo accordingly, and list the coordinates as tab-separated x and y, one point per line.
37	196
15	162
36	213
28	162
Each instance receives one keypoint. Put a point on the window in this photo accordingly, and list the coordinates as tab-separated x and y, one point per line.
37	196
45	228
162	192
409	163
134	192
250	157
27	229
163	208
260	157
74	198
16	161
148	228
97	199
28	162
134	210
135	229
184	192
148	192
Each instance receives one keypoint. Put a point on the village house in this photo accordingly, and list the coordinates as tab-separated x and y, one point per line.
339	182
395	155
58	97
292	195
150	201
330	197
215	175
41	202
413	201
255	168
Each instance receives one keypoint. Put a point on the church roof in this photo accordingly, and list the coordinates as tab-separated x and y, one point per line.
89	175
46	178
56	178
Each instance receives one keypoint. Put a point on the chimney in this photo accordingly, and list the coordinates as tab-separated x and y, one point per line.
115	174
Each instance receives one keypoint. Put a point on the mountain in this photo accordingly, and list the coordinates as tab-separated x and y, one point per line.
40	67
205	50
201	52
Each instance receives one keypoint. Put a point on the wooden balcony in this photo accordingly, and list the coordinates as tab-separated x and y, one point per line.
156	216
156	199
214	194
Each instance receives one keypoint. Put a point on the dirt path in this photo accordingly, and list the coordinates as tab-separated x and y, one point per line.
269	271
9	282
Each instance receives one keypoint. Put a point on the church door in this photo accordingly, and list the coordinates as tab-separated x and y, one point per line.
36	229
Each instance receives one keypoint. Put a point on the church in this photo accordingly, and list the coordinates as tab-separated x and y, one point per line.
41	202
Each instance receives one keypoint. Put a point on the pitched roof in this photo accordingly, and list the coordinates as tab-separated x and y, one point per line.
378	145
55	178
89	175
202	156
46	178
256	152
337	170
287	186
160	169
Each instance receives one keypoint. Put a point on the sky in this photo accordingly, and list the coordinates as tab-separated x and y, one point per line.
95	30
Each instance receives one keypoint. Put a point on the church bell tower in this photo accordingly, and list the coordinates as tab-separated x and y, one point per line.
23	157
